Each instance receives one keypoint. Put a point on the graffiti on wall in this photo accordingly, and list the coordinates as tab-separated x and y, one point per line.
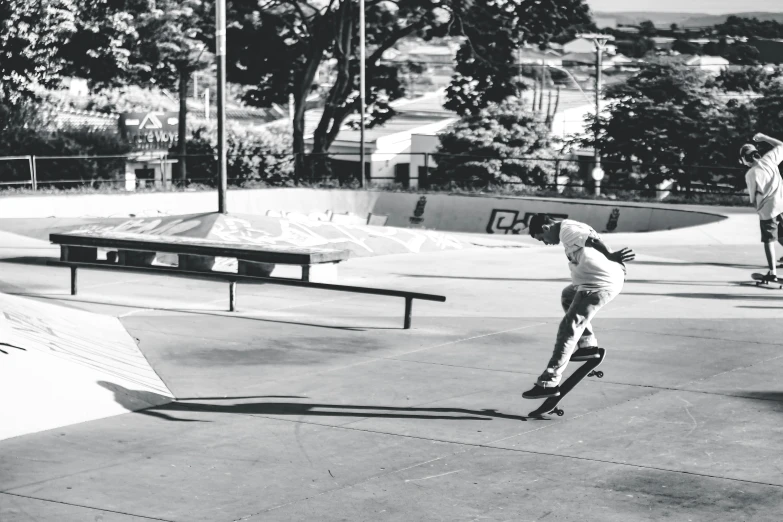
614	217
418	212
509	221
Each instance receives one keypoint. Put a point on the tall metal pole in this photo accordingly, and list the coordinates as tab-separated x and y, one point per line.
599	40
361	92
599	48
220	35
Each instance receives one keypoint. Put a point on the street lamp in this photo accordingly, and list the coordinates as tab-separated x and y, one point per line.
599	41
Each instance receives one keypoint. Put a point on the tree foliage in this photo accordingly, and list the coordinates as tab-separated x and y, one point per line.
30	35
750	27
173	37
503	143
173	42
670	120
486	69
747	79
99	49
277	49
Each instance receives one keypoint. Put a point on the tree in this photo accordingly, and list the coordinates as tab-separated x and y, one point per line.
750	27
173	38
635	48
737	53
669	120
685	47
647	29
277	49
99	48
752	79
719	48
768	110
742	54
30	34
502	143
486	71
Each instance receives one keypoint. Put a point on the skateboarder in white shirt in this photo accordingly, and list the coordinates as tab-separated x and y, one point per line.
597	276
765	190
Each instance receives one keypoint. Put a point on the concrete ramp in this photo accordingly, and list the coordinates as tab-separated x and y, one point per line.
64	366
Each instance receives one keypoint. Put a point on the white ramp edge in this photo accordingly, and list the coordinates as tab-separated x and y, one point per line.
64	366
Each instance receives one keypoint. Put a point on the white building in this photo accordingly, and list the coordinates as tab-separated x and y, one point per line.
583	46
388	147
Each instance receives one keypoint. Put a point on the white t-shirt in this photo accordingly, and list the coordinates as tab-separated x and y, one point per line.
765	188
590	269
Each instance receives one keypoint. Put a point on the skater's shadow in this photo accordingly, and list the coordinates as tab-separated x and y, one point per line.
165	408
311	409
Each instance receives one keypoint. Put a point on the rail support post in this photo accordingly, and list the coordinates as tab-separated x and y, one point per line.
73	280
232	296
408	308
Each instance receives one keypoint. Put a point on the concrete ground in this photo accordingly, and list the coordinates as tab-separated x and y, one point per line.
311	405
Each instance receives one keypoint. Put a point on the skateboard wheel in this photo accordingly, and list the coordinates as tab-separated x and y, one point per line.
558	412
599	374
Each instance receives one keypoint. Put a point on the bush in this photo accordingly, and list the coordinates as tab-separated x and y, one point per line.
504	143
257	157
24	131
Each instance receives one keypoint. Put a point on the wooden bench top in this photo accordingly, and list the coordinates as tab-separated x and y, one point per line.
201	247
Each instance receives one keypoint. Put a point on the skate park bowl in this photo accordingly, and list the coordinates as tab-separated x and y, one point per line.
475	214
143	398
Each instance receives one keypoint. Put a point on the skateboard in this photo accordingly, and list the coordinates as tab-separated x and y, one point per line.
588	369
761	279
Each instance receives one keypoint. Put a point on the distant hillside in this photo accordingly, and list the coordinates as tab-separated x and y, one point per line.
710	20
635	17
682	19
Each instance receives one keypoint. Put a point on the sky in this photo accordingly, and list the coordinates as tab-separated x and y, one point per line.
688	6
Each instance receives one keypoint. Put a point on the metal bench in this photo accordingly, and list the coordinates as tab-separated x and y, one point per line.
135	253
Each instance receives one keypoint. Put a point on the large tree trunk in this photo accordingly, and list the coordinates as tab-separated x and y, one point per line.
300	165
336	110
182	131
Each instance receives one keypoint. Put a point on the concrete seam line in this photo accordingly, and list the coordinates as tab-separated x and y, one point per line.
85	507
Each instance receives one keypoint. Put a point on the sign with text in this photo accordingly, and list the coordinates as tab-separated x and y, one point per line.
150	130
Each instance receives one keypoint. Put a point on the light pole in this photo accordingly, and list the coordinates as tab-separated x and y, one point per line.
361	91
599	41
220	46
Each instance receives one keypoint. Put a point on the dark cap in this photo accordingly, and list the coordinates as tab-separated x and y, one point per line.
747	150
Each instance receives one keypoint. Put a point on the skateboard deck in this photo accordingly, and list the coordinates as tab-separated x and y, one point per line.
760	280
588	369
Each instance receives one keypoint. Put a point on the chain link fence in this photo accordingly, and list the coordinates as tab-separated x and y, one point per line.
565	176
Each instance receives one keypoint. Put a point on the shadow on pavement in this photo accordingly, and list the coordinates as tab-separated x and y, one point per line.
697	263
568	280
337	410
29	260
133	400
701	295
130	400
